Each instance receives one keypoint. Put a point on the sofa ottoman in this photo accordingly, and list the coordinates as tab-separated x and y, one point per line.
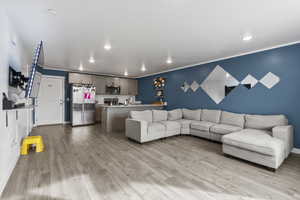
258	146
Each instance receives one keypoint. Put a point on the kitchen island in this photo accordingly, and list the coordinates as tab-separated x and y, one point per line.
113	117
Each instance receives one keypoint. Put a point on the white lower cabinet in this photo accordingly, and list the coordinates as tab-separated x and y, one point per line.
17	125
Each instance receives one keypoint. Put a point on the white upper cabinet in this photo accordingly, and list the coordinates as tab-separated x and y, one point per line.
133	87
124	86
128	86
100	83
80	78
113	82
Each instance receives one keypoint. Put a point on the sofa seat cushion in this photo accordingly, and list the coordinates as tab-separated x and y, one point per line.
175	114
191	114
155	128
145	115
211	115
224	129
266	122
233	119
171	125
159	115
202	125
259	141
186	123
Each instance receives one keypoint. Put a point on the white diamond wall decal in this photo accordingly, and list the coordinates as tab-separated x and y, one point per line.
269	80
249	81
217	82
195	86
185	86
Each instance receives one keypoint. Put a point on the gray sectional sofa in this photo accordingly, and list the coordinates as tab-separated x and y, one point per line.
262	139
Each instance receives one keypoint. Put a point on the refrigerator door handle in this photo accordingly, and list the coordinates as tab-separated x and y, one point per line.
82	113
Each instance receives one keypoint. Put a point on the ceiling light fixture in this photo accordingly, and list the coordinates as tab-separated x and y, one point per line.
247	37
80	67
107	46
169	60
92	60
52	11
143	68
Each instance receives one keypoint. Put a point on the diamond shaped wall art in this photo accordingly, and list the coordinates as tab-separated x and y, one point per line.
269	80
185	86
219	84
249	81
194	86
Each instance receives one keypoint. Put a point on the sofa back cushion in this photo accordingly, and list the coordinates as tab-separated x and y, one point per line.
175	114
233	119
211	115
145	115
265	121
160	115
191	114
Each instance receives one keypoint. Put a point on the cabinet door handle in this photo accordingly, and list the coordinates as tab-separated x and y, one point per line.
6	117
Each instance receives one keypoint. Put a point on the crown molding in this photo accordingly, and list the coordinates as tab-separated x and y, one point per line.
84	72
220	59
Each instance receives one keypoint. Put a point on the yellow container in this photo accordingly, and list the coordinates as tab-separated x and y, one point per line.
37	140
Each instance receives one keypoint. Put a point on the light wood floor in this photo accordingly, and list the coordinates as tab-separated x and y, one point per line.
84	163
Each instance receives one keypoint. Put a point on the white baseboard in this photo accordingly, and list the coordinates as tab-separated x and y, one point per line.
295	150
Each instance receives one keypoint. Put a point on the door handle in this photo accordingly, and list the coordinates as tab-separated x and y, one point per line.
6	118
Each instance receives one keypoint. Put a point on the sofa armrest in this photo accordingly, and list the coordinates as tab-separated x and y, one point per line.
136	129
285	133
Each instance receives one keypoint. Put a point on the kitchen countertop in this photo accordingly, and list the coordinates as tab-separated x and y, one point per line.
20	108
129	106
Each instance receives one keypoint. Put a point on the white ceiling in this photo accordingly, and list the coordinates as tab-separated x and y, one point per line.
190	31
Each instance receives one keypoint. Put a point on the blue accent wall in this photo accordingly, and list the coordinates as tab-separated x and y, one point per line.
51	72
283	98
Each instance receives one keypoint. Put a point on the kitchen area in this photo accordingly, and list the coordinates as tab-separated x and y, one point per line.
104	99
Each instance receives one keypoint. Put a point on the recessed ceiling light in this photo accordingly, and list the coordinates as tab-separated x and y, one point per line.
52	11
169	61
107	46
125	73
92	60
80	67
247	37
143	68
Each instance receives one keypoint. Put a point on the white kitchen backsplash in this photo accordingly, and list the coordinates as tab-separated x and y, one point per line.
122	98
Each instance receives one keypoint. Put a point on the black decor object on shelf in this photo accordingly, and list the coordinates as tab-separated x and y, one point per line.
159	84
16	79
6	104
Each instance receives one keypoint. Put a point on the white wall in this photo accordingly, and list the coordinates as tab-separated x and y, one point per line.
9	55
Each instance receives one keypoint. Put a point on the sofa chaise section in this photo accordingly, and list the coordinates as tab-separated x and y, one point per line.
257	146
266	140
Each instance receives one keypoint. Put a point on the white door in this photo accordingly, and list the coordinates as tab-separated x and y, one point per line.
50	101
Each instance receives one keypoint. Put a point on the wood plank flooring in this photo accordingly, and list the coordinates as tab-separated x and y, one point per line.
84	163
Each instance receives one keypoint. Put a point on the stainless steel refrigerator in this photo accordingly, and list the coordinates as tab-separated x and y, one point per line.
83	105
